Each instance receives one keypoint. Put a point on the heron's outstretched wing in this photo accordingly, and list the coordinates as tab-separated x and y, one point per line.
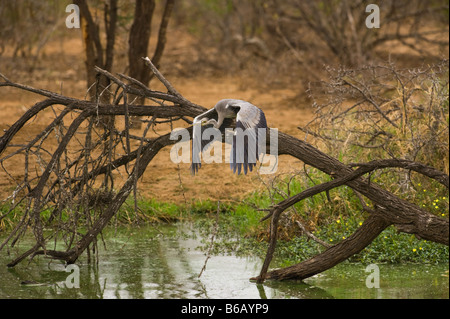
245	151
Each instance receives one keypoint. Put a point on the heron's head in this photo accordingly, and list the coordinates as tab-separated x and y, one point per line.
206	121
224	108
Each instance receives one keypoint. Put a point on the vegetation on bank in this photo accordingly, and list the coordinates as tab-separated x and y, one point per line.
241	232
412	123
238	230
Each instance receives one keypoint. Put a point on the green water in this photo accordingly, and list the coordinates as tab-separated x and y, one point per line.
165	262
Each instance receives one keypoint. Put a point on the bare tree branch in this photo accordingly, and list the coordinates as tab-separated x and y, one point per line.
68	180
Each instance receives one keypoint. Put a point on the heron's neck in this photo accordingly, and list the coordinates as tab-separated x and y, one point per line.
215	123
219	121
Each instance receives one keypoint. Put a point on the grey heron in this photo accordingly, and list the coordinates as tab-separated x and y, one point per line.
244	149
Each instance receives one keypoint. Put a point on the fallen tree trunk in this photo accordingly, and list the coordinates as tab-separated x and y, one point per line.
65	187
336	254
408	216
391	210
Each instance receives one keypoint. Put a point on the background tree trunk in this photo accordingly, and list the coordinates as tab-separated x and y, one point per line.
96	55
139	39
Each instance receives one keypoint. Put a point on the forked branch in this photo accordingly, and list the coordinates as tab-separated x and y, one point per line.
67	179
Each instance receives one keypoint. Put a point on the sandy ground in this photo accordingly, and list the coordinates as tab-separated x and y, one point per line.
61	69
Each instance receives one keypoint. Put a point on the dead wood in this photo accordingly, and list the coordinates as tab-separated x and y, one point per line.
406	216
65	180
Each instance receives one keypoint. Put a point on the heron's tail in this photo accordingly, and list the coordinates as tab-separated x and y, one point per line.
195	167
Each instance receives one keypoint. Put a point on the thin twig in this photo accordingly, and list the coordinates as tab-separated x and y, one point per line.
161	78
311	235
216	227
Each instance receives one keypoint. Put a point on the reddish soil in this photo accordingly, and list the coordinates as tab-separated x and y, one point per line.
61	69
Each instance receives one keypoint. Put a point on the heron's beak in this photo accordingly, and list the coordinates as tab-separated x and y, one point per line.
202	122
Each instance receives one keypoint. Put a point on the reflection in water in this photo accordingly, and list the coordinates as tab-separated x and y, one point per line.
165	263
150	268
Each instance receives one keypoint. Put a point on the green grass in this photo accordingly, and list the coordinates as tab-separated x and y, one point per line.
241	232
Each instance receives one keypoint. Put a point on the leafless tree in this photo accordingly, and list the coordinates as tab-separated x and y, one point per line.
382	111
341	26
26	27
64	182
140	35
293	37
102	55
